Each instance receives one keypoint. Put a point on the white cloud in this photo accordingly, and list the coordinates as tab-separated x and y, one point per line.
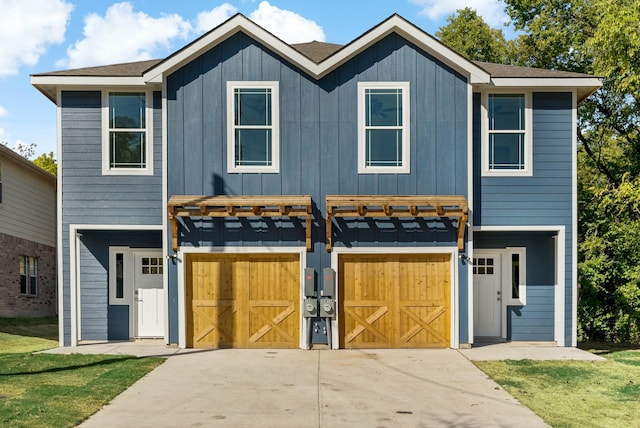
27	28
287	25
216	16
3	112
492	11
123	35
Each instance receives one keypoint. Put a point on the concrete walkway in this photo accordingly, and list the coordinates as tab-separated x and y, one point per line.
295	388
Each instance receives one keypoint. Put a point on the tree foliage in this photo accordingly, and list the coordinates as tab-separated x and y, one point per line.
599	37
470	36
47	162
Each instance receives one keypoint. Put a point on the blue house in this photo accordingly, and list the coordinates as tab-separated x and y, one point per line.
389	193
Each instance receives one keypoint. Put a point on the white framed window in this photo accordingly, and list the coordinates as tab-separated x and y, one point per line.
514	274
253	127
120	270
507	147
29	275
127	143
383	128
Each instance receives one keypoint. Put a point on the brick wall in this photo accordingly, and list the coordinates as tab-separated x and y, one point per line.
14	304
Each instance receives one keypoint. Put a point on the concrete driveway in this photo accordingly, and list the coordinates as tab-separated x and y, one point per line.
295	388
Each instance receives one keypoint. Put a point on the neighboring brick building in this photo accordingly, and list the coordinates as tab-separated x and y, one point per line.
27	238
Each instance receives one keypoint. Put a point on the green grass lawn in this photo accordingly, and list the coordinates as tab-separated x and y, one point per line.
575	393
47	390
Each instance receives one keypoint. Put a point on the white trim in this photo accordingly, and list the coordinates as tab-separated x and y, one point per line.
59	223
560	284
507	272
275	127
165	199
74	266
106	168
127	292
470	193
528	136
182	303
454	321
240	23
406	122
87	81
574	221
547	82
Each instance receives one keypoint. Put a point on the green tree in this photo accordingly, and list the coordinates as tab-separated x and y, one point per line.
47	162
599	37
468	34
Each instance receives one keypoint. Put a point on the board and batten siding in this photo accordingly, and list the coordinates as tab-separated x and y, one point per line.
545	198
88	197
318	147
28	206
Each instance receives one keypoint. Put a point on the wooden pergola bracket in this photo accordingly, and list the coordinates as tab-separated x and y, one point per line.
394	206
239	206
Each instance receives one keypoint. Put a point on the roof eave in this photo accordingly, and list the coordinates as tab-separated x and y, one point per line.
585	86
6	151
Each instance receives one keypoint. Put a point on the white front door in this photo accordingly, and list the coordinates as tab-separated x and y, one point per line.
148	294
487	298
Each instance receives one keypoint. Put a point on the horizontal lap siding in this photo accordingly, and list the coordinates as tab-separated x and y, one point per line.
545	199
91	198
535	320
318	145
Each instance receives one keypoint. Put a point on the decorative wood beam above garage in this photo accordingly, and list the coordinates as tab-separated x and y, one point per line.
391	206
239	206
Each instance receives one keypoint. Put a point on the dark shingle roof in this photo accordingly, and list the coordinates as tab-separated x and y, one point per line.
512	71
128	69
317	51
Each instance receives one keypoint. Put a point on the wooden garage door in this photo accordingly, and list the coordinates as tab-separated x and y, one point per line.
394	301
243	300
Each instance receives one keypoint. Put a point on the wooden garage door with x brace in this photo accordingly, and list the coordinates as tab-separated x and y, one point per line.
394	300
242	300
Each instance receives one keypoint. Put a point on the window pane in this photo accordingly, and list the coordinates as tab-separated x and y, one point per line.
23	284
23	266
33	288
32	266
253	106
119	276
127	110
127	150
506	151
506	112
253	147
515	276
383	107
383	147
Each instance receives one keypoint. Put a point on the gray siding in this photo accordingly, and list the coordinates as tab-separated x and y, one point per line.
91	198
318	140
535	320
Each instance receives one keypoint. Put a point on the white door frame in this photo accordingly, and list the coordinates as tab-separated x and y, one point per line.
182	301
453	280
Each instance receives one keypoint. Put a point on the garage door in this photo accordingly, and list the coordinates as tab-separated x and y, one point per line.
243	300
394	301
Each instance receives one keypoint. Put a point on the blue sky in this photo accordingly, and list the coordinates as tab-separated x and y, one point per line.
44	35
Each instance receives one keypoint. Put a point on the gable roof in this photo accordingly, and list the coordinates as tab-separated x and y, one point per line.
6	152
315	58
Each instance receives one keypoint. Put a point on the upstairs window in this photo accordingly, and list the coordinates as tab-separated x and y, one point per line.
253	127
508	135
28	275
383	127
126	150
